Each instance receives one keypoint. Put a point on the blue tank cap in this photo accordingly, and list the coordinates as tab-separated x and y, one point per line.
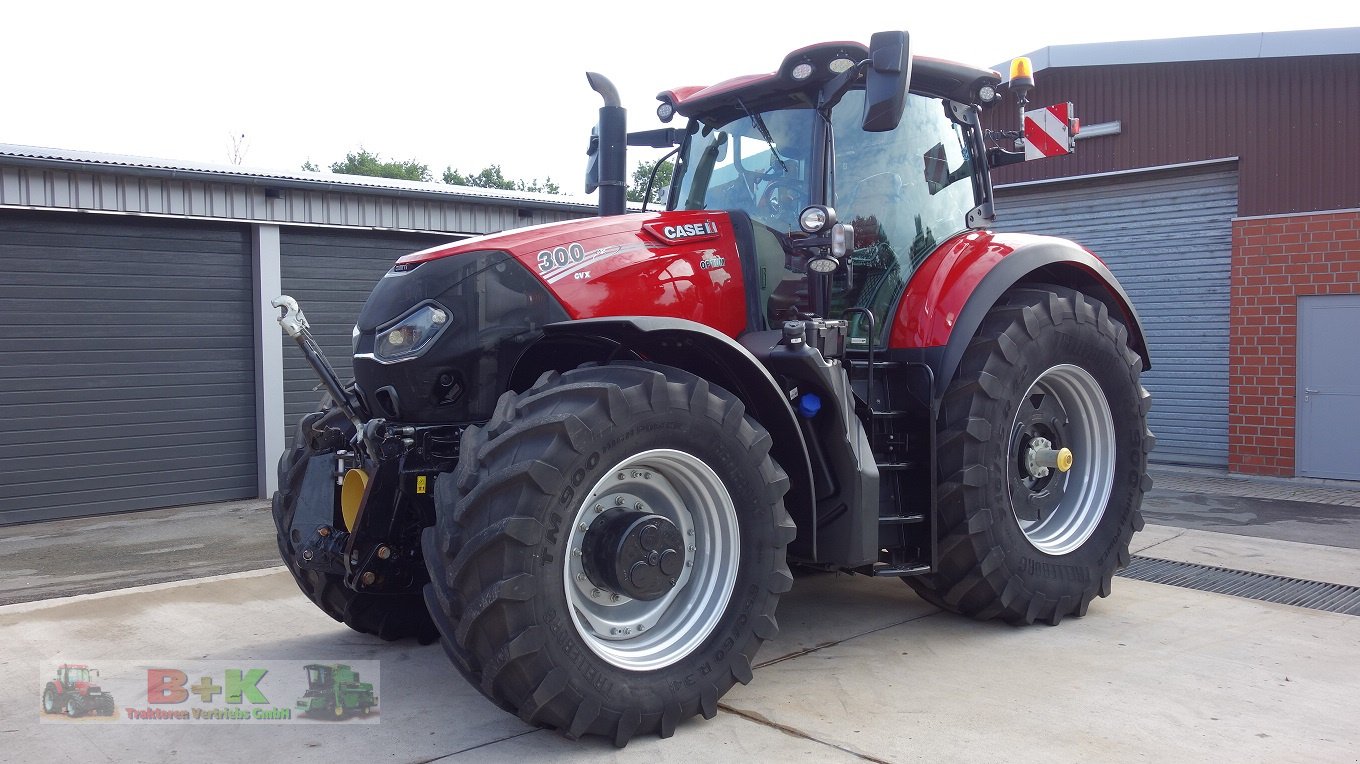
809	404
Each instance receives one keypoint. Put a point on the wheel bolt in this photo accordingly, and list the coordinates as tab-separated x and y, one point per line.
384	552
627	630
689	563
618	501
599	507
307	555
691	531
594	592
621	476
368	578
614	597
582	527
693	548
638	506
646	476
576	551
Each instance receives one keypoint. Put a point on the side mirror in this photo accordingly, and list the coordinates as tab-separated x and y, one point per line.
886	81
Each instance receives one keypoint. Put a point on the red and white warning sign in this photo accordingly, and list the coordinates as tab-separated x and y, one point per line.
1050	131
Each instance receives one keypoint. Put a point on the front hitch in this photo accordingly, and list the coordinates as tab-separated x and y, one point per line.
295	325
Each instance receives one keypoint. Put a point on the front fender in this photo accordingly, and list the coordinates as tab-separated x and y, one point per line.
702	351
950	294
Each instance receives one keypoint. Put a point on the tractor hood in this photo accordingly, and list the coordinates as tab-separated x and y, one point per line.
492	295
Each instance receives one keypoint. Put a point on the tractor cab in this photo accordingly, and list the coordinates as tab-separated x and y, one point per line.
72	676
811	148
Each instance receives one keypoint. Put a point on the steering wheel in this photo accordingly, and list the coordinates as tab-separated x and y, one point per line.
781	199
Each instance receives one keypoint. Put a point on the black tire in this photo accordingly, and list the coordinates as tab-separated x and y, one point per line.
51	700
387	616
499	553
73	707
1036	346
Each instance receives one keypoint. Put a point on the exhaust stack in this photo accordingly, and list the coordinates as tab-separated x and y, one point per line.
608	152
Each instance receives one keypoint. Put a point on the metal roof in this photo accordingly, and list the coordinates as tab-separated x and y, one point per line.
1309	42
167	168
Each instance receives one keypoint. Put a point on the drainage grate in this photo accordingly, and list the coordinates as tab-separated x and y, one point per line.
1318	595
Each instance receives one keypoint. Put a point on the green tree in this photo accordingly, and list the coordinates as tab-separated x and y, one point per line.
491	176
644	171
310	166
367	163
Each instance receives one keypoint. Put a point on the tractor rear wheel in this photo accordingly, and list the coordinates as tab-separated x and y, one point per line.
388	616
609	553
1042	461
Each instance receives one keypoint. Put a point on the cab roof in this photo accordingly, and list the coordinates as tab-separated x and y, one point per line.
779	90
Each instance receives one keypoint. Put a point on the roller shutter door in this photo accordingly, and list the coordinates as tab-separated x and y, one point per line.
1168	239
127	374
330	274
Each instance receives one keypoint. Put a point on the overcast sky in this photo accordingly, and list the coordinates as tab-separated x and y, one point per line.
473	83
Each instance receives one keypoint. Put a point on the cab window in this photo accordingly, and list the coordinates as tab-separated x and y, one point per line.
904	191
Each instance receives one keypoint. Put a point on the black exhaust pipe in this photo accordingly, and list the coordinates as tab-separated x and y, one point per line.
608	168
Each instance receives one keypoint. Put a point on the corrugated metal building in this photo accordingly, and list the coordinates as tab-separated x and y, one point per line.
140	362
1218	177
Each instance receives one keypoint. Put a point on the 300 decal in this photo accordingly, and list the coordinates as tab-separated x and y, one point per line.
560	257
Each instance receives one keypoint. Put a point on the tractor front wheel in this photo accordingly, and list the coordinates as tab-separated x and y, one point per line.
51	703
1042	461
73	708
609	552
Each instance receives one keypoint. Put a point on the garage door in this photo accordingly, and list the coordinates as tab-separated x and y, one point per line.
1168	239
330	275
126	365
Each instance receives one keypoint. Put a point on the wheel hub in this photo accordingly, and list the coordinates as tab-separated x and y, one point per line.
634	553
1039	428
1062	452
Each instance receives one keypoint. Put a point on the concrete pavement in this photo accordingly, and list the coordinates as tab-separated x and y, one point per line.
862	671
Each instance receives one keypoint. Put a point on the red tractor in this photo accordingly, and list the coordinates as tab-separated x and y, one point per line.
71	692
585	454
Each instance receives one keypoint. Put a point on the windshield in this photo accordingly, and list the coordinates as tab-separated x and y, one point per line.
757	163
77	675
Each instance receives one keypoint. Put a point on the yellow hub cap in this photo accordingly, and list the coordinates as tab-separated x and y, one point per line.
1064	459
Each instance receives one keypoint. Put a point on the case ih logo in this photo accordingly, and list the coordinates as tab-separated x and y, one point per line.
703	229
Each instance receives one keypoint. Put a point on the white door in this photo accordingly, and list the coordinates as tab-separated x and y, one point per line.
1329	387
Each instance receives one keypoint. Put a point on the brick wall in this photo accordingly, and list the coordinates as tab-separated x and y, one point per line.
1275	261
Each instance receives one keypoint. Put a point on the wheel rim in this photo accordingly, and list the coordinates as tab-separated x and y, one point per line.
639	634
1064	408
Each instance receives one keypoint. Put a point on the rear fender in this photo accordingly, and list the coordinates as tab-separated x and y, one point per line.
948	298
699	350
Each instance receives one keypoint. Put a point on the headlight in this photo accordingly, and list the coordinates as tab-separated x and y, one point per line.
412	335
